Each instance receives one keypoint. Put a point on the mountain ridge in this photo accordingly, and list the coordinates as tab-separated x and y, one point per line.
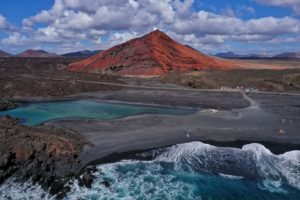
36	53
4	54
232	55
83	53
288	55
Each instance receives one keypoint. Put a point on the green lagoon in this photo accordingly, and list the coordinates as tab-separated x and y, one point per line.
33	114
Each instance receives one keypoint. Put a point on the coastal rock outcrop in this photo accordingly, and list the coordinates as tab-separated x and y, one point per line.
46	155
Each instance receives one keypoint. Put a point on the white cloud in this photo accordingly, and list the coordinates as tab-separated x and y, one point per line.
183	7
273	26
293	4
162	8
242	9
4	24
114	39
108	22
207	39
83	15
206	23
251	38
15	39
209	23
46	15
228	11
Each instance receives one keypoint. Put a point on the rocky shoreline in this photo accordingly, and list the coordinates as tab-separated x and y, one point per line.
45	155
53	155
6	105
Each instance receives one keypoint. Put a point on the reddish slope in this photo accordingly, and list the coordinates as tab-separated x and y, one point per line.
36	53
153	54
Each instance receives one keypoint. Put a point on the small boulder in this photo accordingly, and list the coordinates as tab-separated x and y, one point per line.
87	178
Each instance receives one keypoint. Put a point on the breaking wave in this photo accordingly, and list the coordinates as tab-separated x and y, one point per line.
252	161
194	171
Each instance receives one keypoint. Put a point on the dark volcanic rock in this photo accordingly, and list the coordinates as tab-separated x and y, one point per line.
87	178
106	183
47	155
7	105
26	78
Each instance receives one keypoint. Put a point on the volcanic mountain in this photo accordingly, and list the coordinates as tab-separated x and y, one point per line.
289	55
232	55
84	53
36	53
151	55
228	54
4	54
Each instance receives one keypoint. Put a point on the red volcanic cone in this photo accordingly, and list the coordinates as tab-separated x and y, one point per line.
151	55
30	53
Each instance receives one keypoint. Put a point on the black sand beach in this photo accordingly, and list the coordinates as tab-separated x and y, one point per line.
222	118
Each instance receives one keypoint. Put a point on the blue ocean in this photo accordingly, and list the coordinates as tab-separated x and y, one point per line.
186	171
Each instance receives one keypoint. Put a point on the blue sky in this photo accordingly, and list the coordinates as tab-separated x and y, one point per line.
16	10
242	26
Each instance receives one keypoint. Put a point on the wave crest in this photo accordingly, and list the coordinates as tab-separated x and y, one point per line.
251	161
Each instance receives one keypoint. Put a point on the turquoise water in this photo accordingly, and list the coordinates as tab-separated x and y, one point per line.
191	171
37	113
198	171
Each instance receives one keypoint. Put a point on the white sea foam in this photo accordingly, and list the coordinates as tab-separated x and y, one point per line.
136	180
253	160
208	111
230	176
256	148
293	156
166	176
272	186
177	152
12	189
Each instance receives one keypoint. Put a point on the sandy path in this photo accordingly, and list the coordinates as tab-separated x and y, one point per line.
149	87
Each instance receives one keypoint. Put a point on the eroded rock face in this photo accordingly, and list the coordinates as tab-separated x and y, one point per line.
49	156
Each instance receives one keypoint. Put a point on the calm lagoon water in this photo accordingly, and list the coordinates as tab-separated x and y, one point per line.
37	113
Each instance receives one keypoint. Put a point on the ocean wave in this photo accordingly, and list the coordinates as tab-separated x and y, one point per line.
230	176
133	180
187	171
251	161
16	190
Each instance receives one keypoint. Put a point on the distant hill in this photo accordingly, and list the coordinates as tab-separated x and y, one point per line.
228	54
36	53
232	55
84	53
4	54
288	55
